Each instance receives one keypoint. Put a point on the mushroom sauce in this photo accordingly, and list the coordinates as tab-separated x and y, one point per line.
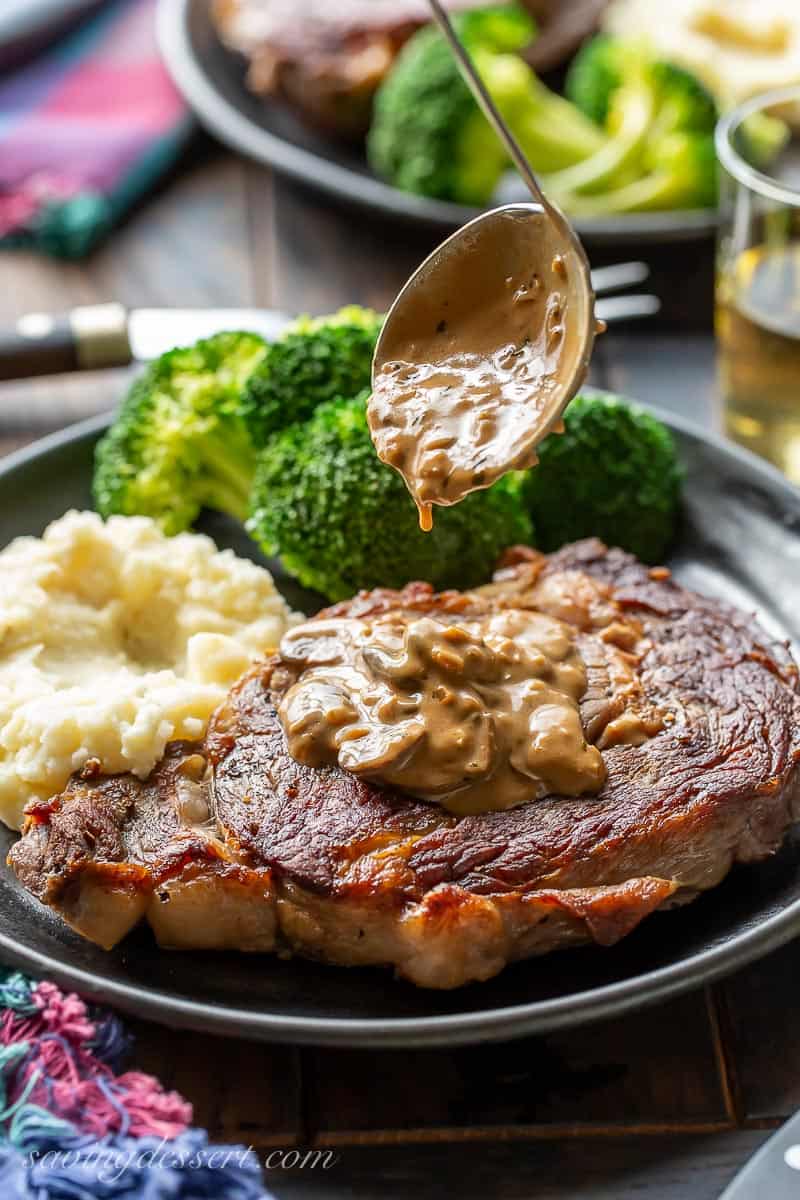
474	713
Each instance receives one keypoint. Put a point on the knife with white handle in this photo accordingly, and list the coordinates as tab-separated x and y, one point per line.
109	335
774	1172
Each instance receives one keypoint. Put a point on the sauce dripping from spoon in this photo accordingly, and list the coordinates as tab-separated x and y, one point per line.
479	362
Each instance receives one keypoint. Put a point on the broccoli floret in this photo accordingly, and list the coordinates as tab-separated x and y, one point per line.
613	474
340	520
605	63
316	359
642	101
595	73
428	135
684	106
178	444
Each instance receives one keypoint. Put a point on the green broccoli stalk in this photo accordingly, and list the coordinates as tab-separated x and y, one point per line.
631	117
428	135
178	444
684	103
680	172
340	520
613	474
642	102
316	359
553	132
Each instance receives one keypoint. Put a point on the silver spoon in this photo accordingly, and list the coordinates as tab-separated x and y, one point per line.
478	258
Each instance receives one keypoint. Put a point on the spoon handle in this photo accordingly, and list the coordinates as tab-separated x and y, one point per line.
486	103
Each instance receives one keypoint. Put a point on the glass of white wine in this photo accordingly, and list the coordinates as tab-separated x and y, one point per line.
757	313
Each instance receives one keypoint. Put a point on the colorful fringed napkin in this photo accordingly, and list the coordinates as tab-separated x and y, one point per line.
85	130
72	1127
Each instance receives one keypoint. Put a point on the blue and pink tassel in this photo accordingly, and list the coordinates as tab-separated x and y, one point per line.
72	1127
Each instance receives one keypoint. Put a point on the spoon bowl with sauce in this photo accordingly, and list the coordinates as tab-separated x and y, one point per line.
488	341
481	352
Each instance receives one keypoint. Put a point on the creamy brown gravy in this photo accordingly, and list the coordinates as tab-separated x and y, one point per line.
472	380
475	713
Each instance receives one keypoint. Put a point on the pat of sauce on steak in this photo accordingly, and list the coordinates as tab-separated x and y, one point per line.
474	714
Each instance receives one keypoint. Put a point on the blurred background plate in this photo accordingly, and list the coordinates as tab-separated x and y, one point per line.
740	540
212	80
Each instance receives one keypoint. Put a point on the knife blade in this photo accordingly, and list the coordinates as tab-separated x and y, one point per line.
773	1173
109	335
152	331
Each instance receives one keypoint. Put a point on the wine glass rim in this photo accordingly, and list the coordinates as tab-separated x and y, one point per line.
738	167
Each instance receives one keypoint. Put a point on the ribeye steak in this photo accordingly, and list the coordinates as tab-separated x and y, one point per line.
231	843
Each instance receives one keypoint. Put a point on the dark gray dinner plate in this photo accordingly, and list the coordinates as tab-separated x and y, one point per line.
740	540
212	80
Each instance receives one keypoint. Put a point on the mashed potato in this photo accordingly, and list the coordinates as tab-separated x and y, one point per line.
737	47
115	639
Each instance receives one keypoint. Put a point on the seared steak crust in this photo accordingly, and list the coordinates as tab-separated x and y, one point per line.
352	873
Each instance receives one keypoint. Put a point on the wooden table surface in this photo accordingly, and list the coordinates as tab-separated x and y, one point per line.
664	1104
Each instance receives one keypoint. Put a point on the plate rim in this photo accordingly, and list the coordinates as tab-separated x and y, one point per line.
233	127
493	1024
